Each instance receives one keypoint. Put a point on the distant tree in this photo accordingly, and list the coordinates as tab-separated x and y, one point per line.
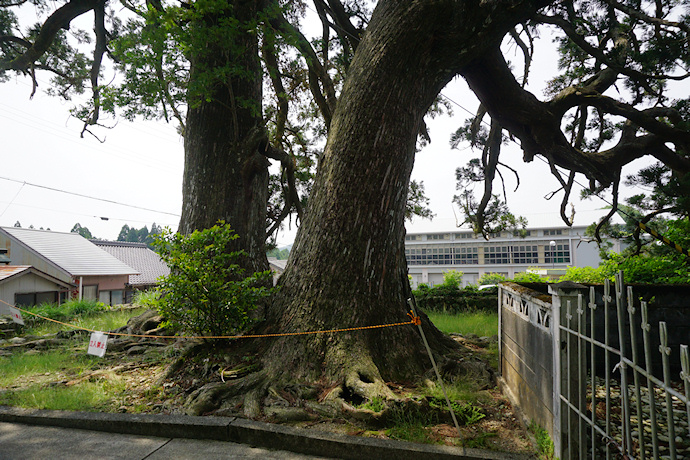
280	254
83	231
139	235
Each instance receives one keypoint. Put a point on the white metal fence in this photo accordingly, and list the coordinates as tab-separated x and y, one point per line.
607	401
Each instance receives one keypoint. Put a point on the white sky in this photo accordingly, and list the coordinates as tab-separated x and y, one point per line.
141	164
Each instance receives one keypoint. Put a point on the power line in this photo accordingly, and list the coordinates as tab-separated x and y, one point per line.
89	197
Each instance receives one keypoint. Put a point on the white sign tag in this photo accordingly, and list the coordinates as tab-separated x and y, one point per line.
97	344
16	316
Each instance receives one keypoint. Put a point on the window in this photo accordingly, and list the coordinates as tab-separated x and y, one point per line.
558	254
111	297
466	255
553	232
496	254
522	233
413	237
438	236
525	254
36	298
90	292
463	236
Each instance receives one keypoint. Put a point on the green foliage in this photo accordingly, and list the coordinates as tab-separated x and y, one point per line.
417	202
207	292
584	275
83	231
490	278
452	279
445	298
141	235
377	404
466	414
67	311
527	277
147	299
280	254
545	447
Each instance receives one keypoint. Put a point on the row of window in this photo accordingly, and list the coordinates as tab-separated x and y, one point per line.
462	236
493	255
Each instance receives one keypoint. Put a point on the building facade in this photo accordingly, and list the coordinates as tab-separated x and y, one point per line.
548	246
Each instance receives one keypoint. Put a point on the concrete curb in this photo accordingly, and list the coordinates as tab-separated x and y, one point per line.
249	432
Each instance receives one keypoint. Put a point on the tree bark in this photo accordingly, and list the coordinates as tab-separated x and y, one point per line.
225	176
347	267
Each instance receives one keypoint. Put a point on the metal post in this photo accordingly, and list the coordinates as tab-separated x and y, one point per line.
685	377
625	422
650	384
581	379
593	371
636	376
607	364
665	353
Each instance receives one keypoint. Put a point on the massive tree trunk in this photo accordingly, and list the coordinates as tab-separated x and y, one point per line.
347	267
225	176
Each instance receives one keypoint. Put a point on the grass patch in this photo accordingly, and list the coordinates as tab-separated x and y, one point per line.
28	365
483	324
103	321
88	396
411	425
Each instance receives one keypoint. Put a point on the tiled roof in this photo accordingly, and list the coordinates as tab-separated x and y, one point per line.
137	255
69	251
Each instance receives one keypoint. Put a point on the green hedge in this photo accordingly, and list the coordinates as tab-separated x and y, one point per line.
453	300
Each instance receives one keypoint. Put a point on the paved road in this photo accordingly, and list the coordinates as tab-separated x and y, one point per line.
29	442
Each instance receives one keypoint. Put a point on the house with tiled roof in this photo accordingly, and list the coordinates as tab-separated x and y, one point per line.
149	266
70	258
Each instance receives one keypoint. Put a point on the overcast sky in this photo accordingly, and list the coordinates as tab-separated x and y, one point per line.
140	165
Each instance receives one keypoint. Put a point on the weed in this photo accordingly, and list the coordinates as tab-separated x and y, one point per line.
410	424
377	404
545	447
466	414
147	299
103	321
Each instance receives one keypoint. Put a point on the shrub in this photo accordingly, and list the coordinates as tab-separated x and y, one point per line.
526	277
452	279
64	312
207	292
491	278
443	298
148	299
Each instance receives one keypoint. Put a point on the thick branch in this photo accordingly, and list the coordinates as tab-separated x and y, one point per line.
60	19
317	73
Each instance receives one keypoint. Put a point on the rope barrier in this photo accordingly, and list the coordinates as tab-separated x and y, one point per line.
414	320
663	239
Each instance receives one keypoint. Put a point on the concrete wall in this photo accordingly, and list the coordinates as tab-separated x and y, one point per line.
526	345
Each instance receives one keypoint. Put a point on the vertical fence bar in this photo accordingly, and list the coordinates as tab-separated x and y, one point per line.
607	366
593	370
625	422
665	353
581	380
636	375
569	426
685	377
650	384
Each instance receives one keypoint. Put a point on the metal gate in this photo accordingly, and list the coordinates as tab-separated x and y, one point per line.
612	403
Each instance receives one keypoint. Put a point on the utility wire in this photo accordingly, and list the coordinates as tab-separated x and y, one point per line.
89	197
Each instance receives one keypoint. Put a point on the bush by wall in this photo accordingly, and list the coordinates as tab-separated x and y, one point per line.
450	299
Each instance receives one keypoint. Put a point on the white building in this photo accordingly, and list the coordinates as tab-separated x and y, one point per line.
435	247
